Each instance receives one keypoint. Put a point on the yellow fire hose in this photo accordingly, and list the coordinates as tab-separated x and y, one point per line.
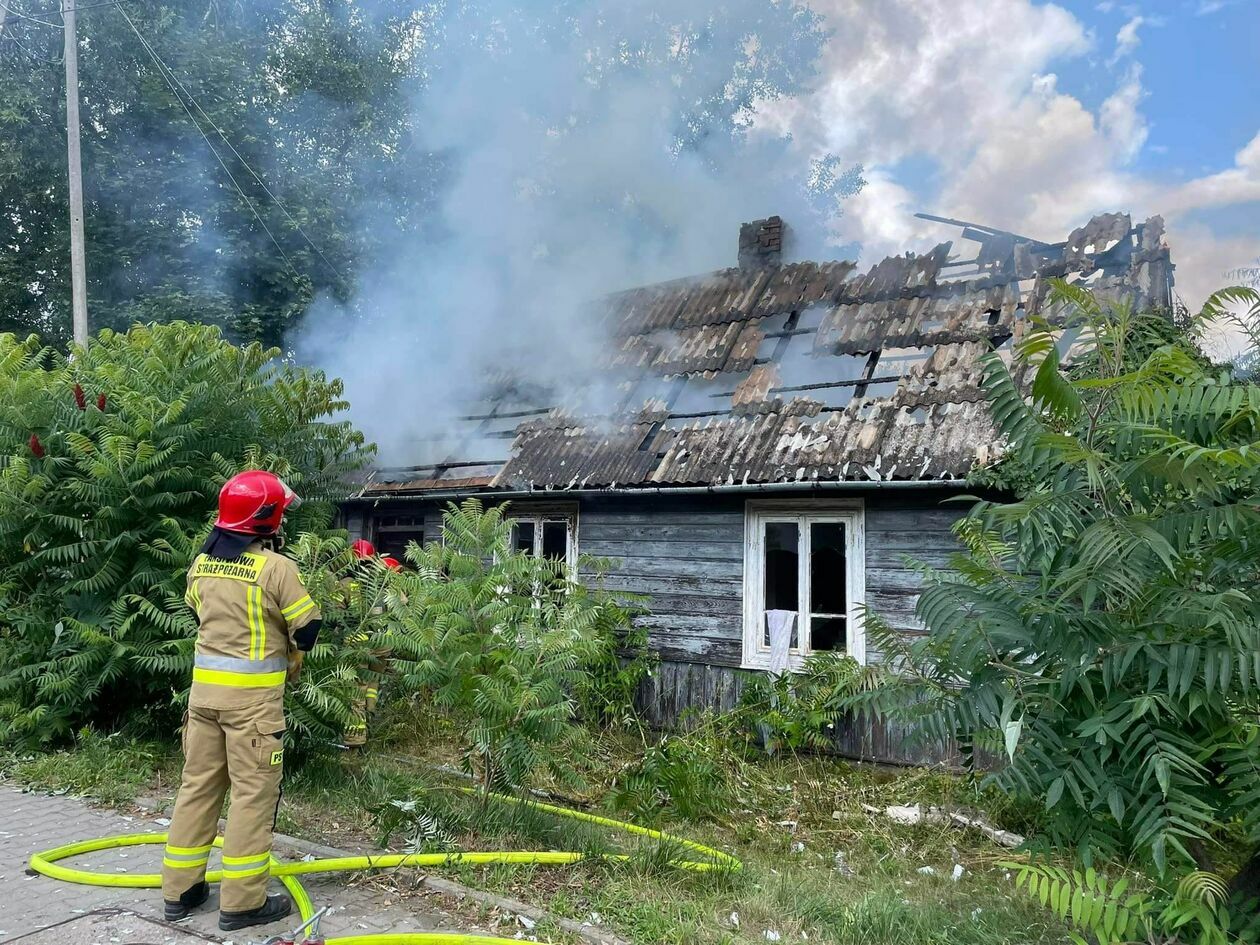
288	873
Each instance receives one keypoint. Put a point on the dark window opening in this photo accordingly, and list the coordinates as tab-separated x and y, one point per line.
782	570
393	542
827	633
826	568
546	537
523	537
555	540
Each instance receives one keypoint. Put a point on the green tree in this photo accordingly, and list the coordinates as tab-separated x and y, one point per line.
110	465
503	641
311	96
356	622
1101	632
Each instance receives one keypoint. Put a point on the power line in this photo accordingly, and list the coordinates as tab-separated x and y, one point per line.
163	71
177	87
55	11
27	16
30	55
240	157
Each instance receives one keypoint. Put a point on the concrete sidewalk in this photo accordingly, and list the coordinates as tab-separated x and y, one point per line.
30	822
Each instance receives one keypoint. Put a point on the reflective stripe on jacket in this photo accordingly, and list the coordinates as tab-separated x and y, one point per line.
248	610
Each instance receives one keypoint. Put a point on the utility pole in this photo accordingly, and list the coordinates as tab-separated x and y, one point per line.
78	273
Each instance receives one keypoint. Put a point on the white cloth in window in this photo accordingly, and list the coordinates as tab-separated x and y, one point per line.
779	623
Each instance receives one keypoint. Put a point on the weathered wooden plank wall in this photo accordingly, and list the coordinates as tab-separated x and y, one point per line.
685	554
898	533
676	688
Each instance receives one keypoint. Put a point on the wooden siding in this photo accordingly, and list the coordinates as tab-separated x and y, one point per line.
685	554
675	689
897	536
687	557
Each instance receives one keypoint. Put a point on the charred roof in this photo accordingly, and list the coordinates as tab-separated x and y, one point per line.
799	372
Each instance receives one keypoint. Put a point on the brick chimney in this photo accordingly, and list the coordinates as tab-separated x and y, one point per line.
761	243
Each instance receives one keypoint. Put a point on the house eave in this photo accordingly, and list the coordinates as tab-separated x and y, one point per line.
845	485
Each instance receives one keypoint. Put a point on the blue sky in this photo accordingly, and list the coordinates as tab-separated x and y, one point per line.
1200	71
1033	116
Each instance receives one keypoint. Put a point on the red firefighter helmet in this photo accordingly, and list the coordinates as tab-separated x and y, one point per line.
363	549
254	503
392	563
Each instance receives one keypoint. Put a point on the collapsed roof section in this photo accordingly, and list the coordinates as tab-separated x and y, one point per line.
772	373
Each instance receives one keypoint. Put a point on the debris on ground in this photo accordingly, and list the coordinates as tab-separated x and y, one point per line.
915	814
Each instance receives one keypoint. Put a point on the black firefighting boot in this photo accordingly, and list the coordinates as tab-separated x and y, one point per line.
275	908
189	900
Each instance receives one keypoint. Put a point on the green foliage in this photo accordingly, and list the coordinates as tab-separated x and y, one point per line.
799	710
503	640
314	97
1238	307
692	772
695	772
357	600
106	489
1113	913
606	691
113	769
1101	631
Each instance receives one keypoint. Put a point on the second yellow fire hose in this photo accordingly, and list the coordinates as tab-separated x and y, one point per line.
48	864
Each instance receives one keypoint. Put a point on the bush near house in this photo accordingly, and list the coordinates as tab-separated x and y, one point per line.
510	646
110	465
1102	630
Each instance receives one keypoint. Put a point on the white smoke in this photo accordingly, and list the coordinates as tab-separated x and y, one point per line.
588	147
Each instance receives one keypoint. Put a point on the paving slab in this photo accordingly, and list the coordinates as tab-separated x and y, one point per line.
110	926
33	821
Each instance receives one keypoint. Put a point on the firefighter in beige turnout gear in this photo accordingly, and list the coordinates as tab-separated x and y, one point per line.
256	619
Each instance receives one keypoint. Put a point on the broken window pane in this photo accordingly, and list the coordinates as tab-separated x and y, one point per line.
555	540
523	537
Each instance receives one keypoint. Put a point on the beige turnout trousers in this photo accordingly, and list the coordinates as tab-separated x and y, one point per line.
221	746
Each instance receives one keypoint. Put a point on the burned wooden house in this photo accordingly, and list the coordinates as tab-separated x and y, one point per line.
785	439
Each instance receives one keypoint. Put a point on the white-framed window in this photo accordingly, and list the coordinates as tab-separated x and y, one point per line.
808	559
546	535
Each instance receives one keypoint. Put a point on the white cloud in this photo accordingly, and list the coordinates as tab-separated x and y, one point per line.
926	79
929	75
1120	120
1208	7
1235	185
881	217
1127	39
